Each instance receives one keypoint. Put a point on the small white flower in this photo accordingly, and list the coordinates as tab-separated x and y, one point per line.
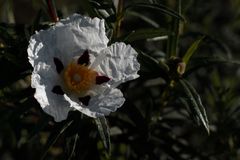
74	69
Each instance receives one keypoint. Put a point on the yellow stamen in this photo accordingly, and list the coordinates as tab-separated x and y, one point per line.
79	78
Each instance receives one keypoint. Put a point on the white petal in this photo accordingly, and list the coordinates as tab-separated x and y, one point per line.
75	104
120	63
107	102
44	79
68	38
99	105
52	104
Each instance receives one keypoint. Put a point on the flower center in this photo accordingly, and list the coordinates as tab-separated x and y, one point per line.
79	78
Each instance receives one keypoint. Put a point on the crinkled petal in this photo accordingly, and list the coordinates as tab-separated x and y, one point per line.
75	104
109	101
101	104
44	79
68	38
118	63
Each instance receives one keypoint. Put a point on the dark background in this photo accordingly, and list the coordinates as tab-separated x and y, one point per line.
153	124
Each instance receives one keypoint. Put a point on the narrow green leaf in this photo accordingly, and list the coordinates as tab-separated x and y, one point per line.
55	137
106	6
143	34
104	10
191	50
74	146
148	60
104	132
173	39
197	63
198	100
194	117
158	7
222	48
144	18
149	64
195	103
98	5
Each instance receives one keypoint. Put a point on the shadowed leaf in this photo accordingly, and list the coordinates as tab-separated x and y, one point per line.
104	132
54	137
76	137
158	7
198	63
195	103
143	17
149	64
143	34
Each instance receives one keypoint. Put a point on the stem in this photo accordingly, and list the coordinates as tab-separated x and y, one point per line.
172	46
52	10
119	19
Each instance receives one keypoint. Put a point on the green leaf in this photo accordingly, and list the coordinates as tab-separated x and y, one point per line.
152	66
158	7
106	6
191	50
197	63
104	132
73	147
199	102
195	103
54	137
173	39
189	110
144	18
104	10
101	5
143	34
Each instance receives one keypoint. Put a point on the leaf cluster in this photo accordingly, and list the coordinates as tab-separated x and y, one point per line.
185	105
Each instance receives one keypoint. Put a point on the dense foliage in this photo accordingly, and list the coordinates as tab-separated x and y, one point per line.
185	105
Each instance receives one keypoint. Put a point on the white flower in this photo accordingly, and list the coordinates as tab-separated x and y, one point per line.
74	69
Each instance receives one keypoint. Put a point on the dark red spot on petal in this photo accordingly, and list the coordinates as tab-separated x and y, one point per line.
57	90
59	65
84	58
102	79
85	100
